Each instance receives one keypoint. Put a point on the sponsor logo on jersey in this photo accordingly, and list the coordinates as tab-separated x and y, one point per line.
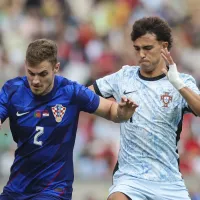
58	112
166	99
21	114
125	92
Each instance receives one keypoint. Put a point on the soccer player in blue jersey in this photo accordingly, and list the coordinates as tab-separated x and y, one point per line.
147	165
43	110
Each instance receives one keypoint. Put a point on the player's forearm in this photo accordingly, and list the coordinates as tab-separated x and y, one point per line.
108	110
113	115
192	99
116	112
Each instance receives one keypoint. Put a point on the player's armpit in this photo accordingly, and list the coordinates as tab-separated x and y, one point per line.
91	87
95	89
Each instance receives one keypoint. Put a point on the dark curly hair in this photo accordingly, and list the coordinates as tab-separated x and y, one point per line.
154	25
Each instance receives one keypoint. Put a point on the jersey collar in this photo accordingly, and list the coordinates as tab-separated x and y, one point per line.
150	78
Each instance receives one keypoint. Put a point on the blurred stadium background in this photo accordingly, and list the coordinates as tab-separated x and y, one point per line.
93	38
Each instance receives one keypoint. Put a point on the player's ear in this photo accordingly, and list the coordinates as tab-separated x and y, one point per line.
165	45
57	67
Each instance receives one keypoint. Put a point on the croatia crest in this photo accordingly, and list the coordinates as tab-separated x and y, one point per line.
58	112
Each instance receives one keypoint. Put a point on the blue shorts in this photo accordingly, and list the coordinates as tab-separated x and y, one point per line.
37	197
140	189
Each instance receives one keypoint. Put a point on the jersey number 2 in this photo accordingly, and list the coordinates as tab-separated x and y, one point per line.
39	132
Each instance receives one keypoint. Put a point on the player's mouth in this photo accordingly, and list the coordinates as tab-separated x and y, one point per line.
36	87
143	61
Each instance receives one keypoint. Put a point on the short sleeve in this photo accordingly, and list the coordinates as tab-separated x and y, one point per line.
4	102
107	86
86	99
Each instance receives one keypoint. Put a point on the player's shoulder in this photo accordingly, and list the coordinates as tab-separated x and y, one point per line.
67	84
128	70
11	86
16	81
186	77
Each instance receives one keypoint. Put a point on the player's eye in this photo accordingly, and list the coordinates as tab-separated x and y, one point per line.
43	74
32	74
148	47
137	48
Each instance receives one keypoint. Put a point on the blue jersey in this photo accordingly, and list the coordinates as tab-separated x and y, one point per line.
44	128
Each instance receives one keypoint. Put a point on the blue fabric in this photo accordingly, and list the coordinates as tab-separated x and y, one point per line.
44	128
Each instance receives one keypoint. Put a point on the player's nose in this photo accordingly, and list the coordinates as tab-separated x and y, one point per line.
36	80
142	54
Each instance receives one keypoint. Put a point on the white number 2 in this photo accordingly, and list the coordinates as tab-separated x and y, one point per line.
39	132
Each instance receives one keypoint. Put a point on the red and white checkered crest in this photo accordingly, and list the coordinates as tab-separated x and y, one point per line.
58	112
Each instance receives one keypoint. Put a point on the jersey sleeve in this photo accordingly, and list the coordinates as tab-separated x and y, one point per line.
190	83
107	86
86	99
4	102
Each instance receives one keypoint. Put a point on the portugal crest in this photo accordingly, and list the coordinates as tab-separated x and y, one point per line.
166	98
58	112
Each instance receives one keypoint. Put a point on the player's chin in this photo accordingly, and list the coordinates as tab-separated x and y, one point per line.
37	92
146	67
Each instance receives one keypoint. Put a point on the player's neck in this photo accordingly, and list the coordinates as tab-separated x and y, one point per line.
151	74
157	71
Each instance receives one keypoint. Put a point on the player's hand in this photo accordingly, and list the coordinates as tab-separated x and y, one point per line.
172	72
126	108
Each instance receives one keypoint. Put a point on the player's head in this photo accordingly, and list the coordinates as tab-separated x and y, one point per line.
41	65
149	36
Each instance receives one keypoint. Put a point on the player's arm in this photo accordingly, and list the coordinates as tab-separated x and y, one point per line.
192	98
3	104
113	111
90	102
116	112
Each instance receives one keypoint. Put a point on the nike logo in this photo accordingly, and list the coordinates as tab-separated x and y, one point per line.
21	114
125	92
